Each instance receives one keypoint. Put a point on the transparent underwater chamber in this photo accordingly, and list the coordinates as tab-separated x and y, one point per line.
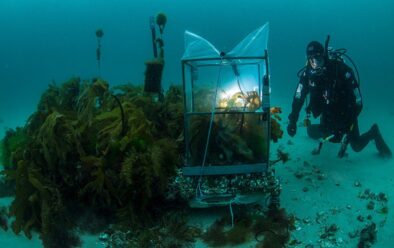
227	115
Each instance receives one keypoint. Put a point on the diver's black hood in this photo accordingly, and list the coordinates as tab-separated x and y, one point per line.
314	48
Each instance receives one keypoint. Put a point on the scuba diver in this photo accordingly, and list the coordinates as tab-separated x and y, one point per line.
335	97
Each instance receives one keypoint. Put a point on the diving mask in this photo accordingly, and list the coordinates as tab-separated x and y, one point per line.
316	61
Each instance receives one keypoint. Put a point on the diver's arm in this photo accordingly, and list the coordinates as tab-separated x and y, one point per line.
358	98
299	98
355	103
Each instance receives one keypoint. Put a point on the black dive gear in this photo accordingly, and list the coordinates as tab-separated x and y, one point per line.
292	128
335	97
314	48
357	142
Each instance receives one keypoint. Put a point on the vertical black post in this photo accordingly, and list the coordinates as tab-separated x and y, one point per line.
99	35
98	56
153	30
266	99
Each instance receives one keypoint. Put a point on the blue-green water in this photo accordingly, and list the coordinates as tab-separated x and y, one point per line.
52	40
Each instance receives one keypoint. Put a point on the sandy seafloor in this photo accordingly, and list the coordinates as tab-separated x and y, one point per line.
325	187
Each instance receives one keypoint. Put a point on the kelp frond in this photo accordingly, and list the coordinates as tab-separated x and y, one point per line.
58	138
100	188
86	145
88	100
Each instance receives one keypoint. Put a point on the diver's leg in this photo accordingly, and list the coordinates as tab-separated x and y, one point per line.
381	145
358	142
315	131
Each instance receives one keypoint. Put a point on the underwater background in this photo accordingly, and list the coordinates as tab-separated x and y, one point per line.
51	41
54	40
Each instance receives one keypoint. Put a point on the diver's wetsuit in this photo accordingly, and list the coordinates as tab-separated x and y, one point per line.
335	97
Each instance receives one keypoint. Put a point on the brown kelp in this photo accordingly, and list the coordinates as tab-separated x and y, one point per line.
235	137
110	150
273	230
269	229
12	143
171	230
276	131
89	147
89	100
11	146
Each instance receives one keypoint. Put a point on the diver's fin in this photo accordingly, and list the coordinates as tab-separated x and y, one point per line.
381	145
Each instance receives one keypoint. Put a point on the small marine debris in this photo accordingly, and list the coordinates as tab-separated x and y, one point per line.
369	195
384	210
306	220
305	189
354	234
357	184
316	170
281	156
310	173
382	197
321	217
330	230
328	236
295	242
377	202
383	222
321	176
360	218
349	206
365	194
335	210
299	174
371	205
367	236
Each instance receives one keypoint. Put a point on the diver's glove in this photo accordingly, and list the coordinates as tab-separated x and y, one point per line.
292	128
344	143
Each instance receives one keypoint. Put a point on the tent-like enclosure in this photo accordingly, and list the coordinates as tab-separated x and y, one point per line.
227	112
